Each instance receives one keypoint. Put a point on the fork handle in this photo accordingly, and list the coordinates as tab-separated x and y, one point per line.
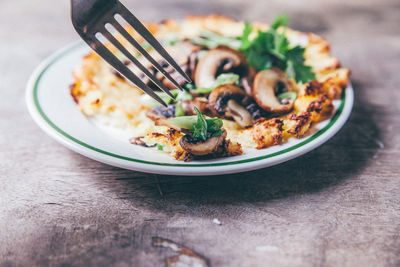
83	10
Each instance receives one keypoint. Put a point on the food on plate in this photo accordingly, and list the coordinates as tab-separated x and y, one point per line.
254	86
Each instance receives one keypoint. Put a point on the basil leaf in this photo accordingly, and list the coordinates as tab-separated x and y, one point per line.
200	127
214	124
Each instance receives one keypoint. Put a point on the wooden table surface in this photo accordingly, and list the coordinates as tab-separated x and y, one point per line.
336	206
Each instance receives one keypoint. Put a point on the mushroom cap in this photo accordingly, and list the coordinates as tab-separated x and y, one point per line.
212	61
219	97
264	86
225	100
202	148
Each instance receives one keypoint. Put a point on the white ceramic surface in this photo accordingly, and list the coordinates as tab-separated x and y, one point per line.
53	109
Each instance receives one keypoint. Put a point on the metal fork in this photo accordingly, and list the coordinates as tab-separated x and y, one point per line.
90	18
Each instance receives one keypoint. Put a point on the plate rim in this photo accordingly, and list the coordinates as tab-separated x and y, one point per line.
317	139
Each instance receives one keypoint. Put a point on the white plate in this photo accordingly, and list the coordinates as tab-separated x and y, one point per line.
53	109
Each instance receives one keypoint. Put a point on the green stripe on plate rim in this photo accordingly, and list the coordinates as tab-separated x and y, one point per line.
55	127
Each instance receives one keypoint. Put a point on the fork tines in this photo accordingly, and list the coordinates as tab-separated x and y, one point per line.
93	28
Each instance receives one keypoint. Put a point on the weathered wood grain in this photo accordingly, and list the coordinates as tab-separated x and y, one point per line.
336	206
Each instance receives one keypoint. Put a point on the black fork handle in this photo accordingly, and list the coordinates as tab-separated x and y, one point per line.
86	11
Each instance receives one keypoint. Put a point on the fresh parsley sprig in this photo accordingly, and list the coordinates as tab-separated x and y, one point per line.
206	128
272	49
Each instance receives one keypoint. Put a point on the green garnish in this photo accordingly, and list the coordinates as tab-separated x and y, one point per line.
291	95
201	127
179	110
272	49
206	128
160	147
178	95
212	40
224	78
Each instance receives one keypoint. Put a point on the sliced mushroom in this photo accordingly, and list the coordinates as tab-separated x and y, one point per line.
247	82
182	53
221	58
161	112
239	113
201	148
266	85
225	101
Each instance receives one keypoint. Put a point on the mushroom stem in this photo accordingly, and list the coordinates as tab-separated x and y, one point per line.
239	113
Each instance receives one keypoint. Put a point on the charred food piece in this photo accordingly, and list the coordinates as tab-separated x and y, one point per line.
199	147
226	101
267	84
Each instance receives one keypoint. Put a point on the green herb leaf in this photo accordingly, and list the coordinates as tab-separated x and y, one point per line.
297	69
272	49
246	43
280	20
200	127
160	147
214	125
